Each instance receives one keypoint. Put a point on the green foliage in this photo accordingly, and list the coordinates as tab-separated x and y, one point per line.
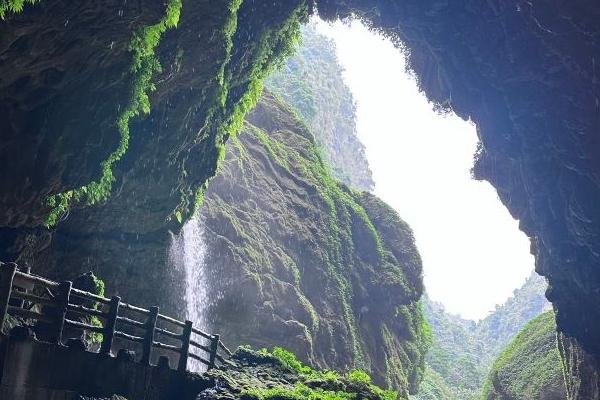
358	375
143	67
316	384
96	337
463	351
290	360
530	366
13	6
311	82
298	392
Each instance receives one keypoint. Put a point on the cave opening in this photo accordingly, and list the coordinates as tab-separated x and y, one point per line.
478	269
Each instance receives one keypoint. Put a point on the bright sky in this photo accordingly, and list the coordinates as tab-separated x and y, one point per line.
474	254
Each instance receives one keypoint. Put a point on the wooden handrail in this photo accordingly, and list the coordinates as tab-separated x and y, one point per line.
168	333
203	334
77	308
17	285
90	296
131	338
134	308
197	357
35	279
131	322
33	298
82	325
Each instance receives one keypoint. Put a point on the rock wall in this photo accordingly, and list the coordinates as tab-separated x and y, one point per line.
298	259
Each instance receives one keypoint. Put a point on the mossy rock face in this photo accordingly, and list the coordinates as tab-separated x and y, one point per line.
172	152
262	375
530	366
297	259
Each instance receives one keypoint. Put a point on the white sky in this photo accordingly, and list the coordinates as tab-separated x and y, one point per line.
474	254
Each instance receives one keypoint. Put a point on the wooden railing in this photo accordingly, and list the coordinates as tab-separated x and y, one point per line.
19	290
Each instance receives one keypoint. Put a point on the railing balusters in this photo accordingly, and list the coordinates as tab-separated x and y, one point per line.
149	336
56	308
21	301
214	347
109	325
7	274
185	346
64	293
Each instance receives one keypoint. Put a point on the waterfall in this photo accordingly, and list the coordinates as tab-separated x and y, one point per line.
186	254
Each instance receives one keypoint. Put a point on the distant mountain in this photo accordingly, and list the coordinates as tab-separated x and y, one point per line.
312	83
463	350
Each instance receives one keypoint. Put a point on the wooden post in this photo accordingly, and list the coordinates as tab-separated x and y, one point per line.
149	336
64	293
110	324
7	274
21	302
214	347
185	346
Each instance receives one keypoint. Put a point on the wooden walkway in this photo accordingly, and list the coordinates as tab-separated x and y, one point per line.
29	296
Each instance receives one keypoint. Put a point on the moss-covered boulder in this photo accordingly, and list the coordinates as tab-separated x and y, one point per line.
530	366
297	259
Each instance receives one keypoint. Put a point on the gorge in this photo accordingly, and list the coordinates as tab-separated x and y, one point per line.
116	118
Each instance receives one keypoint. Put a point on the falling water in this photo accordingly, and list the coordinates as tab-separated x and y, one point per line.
186	254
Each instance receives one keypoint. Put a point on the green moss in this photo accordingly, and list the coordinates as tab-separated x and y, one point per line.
316	384
143	67
13	6
96	337
530	365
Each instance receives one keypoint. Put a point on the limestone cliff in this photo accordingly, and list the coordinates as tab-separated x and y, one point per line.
297	259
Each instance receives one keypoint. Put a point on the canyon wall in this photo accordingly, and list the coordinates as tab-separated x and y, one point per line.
297	259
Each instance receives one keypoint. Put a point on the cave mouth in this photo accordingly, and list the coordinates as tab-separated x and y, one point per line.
480	285
474	255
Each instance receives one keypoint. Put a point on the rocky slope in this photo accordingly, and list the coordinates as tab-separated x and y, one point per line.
297	259
463	351
530	366
311	81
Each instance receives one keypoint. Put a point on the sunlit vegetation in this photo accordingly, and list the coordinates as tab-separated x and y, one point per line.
314	384
13	6
311	82
530	366
463	351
